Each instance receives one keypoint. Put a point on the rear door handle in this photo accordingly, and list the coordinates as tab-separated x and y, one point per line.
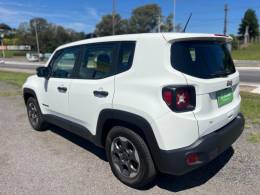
100	94
62	89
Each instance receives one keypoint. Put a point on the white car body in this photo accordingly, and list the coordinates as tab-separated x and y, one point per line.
139	91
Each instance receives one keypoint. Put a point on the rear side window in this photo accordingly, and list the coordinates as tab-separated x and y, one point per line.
97	61
202	59
126	56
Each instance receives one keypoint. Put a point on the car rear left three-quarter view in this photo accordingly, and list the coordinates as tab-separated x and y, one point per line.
156	102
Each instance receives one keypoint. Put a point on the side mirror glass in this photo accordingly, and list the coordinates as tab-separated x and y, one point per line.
43	72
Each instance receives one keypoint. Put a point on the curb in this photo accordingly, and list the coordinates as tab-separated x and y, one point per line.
24	63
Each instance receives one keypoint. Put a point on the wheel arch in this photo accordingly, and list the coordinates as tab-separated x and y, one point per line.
109	118
27	93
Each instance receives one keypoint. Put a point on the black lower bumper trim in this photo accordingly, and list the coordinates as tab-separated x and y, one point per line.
207	147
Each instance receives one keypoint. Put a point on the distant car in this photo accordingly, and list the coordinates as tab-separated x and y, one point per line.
2	61
34	57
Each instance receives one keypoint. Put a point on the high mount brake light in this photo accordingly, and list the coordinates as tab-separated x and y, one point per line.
180	98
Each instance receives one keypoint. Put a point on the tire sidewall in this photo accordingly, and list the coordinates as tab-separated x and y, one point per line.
39	125
145	165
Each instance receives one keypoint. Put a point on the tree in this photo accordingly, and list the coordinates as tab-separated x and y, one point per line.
167	26
250	20
50	35
104	27
5	27
145	18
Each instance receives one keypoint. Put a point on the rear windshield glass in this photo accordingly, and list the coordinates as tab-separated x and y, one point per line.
202	59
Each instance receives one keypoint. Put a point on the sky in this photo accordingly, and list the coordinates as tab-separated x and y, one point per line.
83	15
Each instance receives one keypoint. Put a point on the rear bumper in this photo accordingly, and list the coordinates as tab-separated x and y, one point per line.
207	148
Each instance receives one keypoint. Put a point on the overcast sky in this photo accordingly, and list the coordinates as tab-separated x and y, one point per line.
82	15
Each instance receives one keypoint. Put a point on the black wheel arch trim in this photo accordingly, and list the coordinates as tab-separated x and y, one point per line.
144	128
30	92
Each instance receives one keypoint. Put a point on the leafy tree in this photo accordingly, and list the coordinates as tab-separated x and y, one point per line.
167	25
104	27
145	18
250	20
5	27
50	35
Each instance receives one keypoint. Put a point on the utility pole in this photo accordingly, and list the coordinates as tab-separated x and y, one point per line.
173	15
2	43
113	17
159	23
36	35
225	19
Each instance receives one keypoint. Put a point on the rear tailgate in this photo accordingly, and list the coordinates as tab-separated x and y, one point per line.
209	113
206	64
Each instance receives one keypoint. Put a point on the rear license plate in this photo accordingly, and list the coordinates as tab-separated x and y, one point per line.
224	96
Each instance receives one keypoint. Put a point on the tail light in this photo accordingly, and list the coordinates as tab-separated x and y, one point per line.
180	98
192	159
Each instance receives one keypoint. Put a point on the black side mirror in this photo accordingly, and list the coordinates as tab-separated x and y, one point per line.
43	72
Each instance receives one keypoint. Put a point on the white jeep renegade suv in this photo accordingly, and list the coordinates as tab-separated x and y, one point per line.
164	102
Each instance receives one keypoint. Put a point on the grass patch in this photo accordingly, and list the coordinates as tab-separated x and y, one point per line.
250	106
10	54
254	137
252	52
15	78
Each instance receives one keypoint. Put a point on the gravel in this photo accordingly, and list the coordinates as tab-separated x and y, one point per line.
58	162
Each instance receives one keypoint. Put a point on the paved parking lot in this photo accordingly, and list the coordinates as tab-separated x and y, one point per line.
57	162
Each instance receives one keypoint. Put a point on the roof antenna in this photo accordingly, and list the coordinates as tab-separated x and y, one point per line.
187	23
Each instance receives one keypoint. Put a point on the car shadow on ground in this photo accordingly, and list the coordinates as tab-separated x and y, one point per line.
167	182
196	177
83	143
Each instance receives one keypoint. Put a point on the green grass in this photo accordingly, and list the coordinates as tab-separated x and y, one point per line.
15	78
254	137
252	52
10	54
250	106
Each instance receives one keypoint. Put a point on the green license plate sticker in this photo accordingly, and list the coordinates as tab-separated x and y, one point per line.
224	96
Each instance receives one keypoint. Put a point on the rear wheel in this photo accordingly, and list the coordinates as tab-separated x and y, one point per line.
34	115
129	157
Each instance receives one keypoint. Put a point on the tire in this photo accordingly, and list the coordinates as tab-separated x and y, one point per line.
122	156
35	115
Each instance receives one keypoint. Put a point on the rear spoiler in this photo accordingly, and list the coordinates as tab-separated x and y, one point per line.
172	37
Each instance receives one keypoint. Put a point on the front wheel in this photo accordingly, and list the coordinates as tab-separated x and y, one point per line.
34	115
129	157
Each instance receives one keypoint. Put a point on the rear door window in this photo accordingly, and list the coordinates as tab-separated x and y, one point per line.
202	59
98	61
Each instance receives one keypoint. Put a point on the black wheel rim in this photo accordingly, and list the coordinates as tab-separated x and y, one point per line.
33	114
125	157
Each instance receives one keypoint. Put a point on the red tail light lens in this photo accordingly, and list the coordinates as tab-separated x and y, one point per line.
192	159
180	98
167	97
